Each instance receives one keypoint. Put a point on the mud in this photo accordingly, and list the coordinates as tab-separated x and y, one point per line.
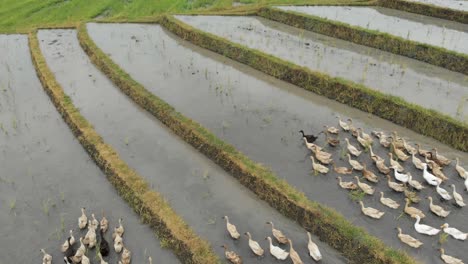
452	4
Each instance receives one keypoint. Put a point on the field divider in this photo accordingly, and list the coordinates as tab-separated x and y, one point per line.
423	121
330	226
153	209
426	10
438	56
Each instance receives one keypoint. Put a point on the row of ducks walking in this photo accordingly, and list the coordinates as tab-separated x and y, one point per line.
400	151
91	240
276	251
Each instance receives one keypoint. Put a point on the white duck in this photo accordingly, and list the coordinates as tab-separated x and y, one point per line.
355	164
458	198
466	184
400	176
443	193
455	233
46	259
430	179
102	261
83	219
277	252
414	183
352	149
449	259
425	229
314	251
231	228
461	171
254	246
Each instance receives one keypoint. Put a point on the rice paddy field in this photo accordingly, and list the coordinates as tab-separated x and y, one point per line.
182	118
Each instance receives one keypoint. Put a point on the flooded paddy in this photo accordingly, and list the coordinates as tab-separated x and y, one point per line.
433	31
261	117
47	176
452	4
194	186
416	82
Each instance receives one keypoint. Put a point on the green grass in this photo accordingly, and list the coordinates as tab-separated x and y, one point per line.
21	16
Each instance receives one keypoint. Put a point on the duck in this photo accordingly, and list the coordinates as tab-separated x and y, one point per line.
318	167
308	138
373	156
365	136
439	159
231	256
352	129
90	237
449	259
455	233
425	229
85	260
352	149
282	239
371	212
332	130
423	152
81	250
101	260
70	253
431	164
437	171
354	163
430	179
437	209
399	153
388	202
412	196
408	240
104	223
150	260
83	219
310	146
443	193
369	175
342	170
314	251
94	222
397	187
120	229
364	187
413	211
397	140
364	143
394	163
458	198
68	243
346	185
323	157
466	184
46	258
380	164
232	229
383	139
461	171
296	259
118	243
414	183
400	176
103	244
332	141
254	246
417	162
126	257
410	149
343	125
277	252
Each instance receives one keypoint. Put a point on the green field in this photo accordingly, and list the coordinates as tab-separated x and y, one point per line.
20	16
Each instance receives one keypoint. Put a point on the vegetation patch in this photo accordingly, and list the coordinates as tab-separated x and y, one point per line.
434	55
171	230
426	9
330	226
395	109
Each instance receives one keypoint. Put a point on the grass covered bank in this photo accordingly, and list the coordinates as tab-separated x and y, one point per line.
332	228
150	205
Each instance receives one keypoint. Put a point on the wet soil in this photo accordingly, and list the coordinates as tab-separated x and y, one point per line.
196	188
261	117
452	4
416	82
47	176
434	31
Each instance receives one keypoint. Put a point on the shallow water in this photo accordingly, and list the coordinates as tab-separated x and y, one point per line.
260	116
434	31
196	188
452	4
47	176
416	82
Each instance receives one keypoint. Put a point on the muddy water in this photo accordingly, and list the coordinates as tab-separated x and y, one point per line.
437	32
196	188
452	4
416	82
47	176
261	116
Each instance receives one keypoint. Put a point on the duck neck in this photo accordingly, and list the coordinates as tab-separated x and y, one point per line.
302	132
308	235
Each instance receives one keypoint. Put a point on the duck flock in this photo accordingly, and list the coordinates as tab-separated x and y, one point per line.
276	251
75	255
399	151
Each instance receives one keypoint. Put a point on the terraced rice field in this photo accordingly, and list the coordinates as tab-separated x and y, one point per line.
132	121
